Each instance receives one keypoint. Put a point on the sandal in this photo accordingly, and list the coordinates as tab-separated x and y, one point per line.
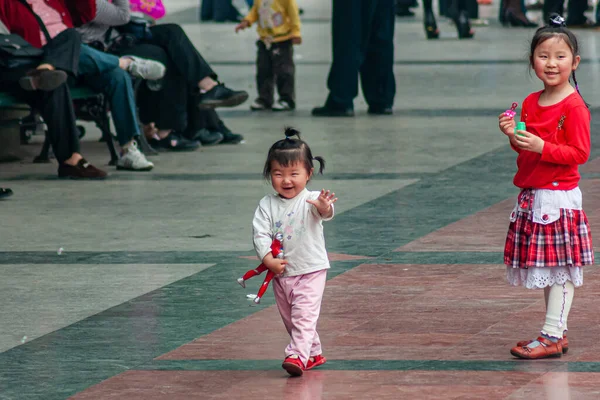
546	349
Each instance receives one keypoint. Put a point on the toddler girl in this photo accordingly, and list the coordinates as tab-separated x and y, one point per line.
297	214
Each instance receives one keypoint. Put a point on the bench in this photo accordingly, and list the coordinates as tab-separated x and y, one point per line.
89	106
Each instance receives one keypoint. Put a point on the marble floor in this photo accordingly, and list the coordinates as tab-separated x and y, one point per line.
142	300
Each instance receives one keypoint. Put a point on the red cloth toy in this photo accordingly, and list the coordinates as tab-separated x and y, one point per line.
277	251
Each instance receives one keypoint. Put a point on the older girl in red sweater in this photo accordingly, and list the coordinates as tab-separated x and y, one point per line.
549	239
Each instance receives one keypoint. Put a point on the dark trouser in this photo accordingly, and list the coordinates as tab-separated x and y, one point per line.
55	107
275	66
168	107
202	119
363	43
575	10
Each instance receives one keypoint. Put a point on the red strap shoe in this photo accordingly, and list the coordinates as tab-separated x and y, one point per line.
293	366
564	342
546	349
315	361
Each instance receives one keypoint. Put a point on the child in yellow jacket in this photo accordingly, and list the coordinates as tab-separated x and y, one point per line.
279	29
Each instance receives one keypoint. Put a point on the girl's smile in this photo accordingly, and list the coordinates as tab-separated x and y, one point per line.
290	180
553	62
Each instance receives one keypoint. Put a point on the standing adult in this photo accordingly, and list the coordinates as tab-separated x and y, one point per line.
363	44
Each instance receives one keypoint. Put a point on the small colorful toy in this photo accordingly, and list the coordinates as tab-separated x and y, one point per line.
277	251
511	113
520	127
152	8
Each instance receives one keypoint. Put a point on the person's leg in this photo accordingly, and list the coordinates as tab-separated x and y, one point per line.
550	341
576	13
282	293
285	73
306	307
167	107
265	79
56	108
116	85
203	126
550	7
92	61
560	298
342	82
377	72
347	41
189	62
193	67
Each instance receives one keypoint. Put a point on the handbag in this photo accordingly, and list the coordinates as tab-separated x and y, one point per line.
137	27
16	52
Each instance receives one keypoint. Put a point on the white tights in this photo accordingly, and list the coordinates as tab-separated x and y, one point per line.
558	304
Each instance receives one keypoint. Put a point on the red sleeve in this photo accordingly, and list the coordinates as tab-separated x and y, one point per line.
576	150
82	11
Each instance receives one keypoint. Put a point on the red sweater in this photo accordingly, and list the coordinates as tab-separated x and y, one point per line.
19	20
565	129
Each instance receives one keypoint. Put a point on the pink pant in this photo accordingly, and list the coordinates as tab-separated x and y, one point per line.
299	301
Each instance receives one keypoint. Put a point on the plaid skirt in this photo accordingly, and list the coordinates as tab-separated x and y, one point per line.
565	242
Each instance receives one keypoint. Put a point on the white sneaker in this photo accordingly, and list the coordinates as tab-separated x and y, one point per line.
282	105
134	160
241	282
146	69
258	105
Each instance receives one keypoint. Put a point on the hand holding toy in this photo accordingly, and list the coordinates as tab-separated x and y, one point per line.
277	252
511	113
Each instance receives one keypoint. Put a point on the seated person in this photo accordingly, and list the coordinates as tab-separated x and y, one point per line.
102	72
189	89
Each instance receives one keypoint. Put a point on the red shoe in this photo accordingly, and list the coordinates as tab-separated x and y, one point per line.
547	349
315	361
564	342
293	366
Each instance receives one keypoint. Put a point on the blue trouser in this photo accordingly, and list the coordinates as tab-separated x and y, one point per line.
100	71
363	43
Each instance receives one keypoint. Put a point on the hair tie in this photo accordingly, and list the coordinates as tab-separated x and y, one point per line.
557	21
290	132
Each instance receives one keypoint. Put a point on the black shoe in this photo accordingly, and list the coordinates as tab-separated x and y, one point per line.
327	111
174	142
5	192
206	137
228	136
376	110
222	96
463	26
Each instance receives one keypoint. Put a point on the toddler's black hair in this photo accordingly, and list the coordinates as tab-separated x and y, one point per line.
289	151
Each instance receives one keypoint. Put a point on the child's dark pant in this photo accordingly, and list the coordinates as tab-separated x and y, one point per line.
275	66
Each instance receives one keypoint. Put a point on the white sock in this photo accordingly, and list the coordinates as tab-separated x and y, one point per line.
560	299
